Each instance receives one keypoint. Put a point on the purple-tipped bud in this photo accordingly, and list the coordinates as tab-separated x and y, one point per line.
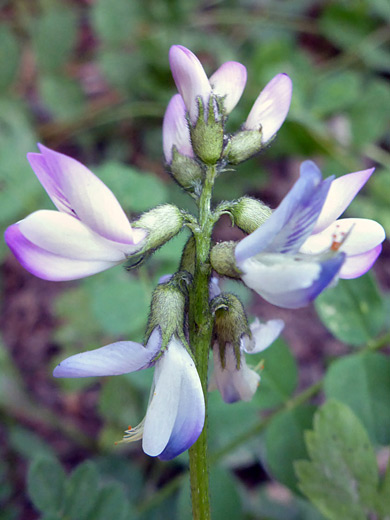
175	129
271	107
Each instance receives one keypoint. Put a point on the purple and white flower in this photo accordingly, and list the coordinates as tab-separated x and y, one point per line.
176	409
235	380
228	83
88	234
299	250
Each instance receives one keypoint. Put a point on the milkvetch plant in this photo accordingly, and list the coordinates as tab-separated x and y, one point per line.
289	256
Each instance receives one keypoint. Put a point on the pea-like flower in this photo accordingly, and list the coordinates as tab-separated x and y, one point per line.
227	84
233	378
176	410
88	234
291	258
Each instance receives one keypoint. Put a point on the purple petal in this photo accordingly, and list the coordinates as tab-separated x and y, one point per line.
287	281
271	107
77	191
175	129
176	412
190	78
112	360
49	266
341	193
355	266
292	222
68	237
229	82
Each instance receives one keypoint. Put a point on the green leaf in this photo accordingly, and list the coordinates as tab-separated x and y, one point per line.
112	503
341	478
284	442
114	22
137	191
9	56
362	382
81	492
332	96
45	484
54	36
345	26
63	96
353	310
120	302
279	376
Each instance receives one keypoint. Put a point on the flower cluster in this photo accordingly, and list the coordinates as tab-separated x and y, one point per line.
289	255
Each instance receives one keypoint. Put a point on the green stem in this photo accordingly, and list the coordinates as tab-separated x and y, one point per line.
200	326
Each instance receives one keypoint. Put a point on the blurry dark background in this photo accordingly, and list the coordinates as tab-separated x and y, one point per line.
91	79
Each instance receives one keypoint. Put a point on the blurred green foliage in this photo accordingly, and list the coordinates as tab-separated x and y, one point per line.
91	79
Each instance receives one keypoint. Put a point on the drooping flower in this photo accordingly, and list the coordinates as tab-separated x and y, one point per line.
228	83
232	376
176	410
279	260
88	234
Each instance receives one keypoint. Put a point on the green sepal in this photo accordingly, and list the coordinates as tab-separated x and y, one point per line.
249	214
187	172
208	132
223	260
243	145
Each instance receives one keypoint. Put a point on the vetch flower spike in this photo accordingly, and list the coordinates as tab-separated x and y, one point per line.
176	410
88	234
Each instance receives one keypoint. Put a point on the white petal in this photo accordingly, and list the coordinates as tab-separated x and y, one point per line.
273	273
76	190
361	235
163	407
112	360
355	266
341	193
63	235
190	78
263	335
49	266
271	107
229	82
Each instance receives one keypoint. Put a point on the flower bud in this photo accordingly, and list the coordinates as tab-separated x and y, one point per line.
186	171
223	260
168	308
207	133
161	223
230	324
244	145
249	214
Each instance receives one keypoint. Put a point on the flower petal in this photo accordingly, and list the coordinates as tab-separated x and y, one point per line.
271	107
112	360
357	265
292	222
290	281
341	193
190	78
47	265
176	390
229	82
77	191
66	236
360	234
234	384
263	335
175	129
